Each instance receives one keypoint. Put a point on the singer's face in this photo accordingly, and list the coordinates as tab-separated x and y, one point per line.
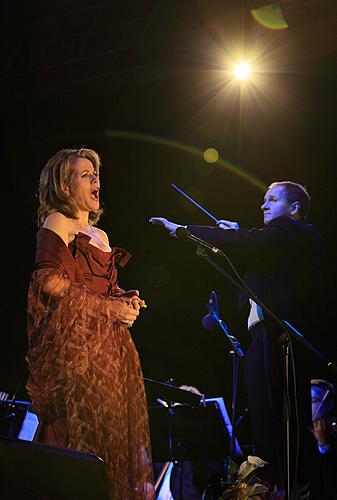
84	185
275	204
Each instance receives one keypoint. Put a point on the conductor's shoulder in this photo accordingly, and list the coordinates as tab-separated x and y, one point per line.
290	227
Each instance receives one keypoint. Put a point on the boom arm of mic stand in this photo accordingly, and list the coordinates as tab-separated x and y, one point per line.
184	234
233	340
299	337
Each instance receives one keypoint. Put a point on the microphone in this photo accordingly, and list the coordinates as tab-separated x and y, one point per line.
212	320
209	322
184	234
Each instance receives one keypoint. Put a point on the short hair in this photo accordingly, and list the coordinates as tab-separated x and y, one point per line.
295	192
54	176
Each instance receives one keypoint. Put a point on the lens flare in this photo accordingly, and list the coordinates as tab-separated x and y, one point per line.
270	17
242	71
211	155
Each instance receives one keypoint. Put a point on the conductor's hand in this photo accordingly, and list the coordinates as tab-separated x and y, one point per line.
227	224
170	226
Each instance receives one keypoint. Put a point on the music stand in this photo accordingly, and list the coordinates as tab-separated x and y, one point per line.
187	427
169	392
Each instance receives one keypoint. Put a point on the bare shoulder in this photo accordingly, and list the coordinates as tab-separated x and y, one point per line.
58	223
102	235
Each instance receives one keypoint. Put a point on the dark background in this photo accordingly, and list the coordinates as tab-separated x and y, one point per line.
148	84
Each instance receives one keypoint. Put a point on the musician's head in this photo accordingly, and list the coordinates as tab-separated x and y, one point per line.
322	398
57	182
285	198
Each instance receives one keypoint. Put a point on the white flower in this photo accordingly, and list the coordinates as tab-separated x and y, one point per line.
249	465
256	461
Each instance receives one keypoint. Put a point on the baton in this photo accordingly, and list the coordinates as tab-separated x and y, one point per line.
195	203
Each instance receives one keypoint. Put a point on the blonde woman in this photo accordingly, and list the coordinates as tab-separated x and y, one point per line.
85	379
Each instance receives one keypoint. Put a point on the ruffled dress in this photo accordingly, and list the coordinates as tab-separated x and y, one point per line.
85	379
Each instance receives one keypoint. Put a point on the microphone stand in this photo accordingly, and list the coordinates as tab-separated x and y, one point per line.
237	355
203	247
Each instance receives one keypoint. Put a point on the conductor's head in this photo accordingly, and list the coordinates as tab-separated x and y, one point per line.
285	199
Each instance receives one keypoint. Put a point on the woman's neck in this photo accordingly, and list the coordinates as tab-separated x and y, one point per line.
83	219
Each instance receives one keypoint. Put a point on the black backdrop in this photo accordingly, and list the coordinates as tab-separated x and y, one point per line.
145	83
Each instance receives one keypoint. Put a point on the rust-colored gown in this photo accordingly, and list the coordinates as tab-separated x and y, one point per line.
86	382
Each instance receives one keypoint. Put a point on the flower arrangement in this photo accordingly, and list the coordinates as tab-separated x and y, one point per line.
242	484
241	481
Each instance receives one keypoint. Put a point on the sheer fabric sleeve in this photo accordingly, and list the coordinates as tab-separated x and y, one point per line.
61	318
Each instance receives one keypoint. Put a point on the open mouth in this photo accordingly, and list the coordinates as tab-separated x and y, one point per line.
95	194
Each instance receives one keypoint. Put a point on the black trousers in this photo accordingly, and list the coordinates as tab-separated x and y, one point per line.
264	380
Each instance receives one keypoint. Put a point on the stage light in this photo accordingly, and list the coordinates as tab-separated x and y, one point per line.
242	71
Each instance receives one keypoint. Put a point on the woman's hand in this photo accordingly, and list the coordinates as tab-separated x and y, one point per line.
124	311
135	300
126	308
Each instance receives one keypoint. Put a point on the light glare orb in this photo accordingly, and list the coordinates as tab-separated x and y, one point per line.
242	71
211	155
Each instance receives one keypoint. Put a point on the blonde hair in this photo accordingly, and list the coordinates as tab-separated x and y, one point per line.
55	175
